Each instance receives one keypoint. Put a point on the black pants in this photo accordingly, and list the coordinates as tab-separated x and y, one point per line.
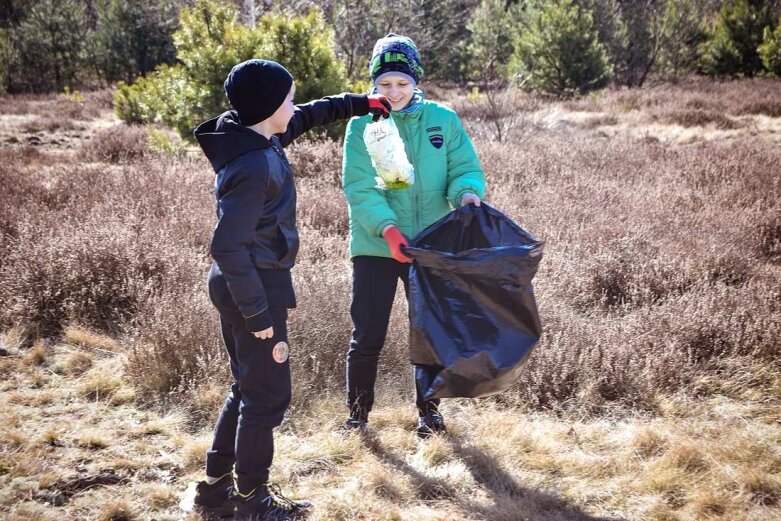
259	396
374	288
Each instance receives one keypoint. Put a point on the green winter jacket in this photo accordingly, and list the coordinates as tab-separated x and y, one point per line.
446	168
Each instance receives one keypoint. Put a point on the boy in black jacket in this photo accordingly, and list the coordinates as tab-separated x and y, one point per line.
254	247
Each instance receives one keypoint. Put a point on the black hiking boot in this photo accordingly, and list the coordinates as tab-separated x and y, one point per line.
266	503
357	422
430	423
213	501
352	425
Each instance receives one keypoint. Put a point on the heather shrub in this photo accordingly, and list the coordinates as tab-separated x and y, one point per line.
118	144
699	118
659	269
317	159
615	281
84	247
734	98
71	275
175	345
322	206
768	241
62	107
634	301
320	326
768	107
21	191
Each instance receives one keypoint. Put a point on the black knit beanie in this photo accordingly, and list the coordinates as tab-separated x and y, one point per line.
256	89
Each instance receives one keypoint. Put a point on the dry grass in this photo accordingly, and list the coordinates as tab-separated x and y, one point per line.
78	363
93	440
37	354
100	383
79	336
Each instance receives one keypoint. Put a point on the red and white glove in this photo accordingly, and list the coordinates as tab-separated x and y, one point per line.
379	106
396	240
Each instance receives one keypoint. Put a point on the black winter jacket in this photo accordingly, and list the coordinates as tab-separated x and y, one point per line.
255	241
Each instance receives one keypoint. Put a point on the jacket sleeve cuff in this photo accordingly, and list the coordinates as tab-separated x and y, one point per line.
359	104
259	322
461	193
383	225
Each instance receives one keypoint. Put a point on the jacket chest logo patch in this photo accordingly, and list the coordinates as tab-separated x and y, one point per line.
437	140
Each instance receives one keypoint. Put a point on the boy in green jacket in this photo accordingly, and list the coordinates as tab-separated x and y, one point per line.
447	175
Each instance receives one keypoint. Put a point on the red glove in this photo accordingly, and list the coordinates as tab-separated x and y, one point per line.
396	240
379	106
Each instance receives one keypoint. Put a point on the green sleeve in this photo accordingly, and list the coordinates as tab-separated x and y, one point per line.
464	174
368	206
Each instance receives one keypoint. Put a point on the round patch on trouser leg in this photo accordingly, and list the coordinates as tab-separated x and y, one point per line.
281	352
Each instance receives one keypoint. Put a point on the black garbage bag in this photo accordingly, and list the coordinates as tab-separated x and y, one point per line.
472	310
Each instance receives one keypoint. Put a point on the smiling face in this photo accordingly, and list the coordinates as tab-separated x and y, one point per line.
398	88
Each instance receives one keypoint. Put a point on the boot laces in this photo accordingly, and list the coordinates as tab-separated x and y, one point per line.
279	499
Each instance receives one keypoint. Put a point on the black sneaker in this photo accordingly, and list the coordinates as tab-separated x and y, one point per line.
355	425
266	503
430	424
213	501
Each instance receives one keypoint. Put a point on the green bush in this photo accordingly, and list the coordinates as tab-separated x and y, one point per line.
682	35
770	50
161	97
732	46
209	42
305	47
6	55
133	37
493	26
49	47
558	50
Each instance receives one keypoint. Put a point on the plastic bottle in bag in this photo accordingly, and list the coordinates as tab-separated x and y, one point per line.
386	150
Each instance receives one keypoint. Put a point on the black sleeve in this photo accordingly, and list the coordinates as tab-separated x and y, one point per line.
241	206
322	112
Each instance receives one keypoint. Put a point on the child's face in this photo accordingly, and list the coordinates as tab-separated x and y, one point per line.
398	89
281	117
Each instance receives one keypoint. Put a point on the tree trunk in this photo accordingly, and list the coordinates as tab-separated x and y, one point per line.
249	13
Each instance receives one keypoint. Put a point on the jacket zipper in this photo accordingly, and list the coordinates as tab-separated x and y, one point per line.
414	188
282	157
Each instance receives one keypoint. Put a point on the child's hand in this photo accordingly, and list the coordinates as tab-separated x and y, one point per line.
470	199
265	334
396	240
379	106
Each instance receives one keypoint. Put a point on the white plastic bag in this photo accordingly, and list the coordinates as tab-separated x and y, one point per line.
386	149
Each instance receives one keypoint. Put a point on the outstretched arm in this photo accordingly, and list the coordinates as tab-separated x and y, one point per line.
330	109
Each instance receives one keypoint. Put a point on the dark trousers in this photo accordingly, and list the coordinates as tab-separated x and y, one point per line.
374	288
259	396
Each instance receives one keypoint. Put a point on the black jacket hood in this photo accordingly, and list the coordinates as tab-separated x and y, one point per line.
223	139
